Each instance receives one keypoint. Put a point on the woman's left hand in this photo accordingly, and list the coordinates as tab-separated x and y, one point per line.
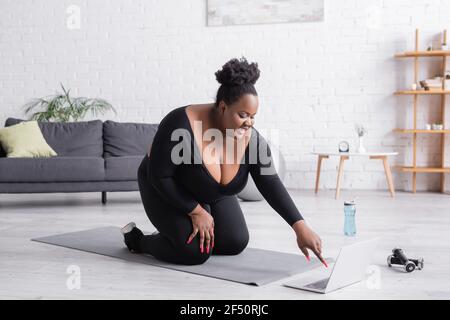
308	239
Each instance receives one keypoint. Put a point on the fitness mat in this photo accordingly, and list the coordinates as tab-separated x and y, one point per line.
252	266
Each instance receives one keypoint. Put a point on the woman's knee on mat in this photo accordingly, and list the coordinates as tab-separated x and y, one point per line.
191	254
232	244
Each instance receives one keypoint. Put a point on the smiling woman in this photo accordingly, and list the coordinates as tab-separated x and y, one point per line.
193	203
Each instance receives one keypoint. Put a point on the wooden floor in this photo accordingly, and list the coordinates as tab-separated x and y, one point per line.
419	223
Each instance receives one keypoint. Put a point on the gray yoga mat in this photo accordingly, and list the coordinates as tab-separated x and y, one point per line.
252	266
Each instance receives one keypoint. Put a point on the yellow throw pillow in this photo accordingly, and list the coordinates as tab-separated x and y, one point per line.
25	140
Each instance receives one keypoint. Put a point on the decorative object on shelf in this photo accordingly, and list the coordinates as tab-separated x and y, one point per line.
437	126
414	86
344	146
444	46
446	80
433	84
361	131
61	107
423	84
250	192
428	126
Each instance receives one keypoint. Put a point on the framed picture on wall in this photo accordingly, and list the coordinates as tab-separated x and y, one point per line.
236	12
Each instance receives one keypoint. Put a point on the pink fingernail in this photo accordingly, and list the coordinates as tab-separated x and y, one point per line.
201	249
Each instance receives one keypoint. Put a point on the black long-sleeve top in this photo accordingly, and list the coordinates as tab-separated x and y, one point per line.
186	183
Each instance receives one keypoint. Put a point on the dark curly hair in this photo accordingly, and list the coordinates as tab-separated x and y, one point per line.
237	78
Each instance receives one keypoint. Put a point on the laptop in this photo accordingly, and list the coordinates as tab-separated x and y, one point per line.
350	267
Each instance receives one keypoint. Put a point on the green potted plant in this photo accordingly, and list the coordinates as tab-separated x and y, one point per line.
61	107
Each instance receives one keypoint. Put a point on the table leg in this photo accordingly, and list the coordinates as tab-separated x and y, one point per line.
341	171
319	166
387	170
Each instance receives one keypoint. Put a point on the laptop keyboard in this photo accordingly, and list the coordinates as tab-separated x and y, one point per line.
321	284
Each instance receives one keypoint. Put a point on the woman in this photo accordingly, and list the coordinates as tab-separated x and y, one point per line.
193	202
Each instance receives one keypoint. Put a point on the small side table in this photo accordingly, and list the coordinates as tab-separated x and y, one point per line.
345	156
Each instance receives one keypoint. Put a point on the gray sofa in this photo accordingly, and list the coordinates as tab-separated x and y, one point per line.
93	156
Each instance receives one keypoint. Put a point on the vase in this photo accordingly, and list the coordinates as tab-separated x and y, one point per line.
361	148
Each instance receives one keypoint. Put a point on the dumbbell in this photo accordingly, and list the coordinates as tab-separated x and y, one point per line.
399	258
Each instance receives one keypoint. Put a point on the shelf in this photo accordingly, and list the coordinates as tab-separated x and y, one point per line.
416	54
420	131
422	169
422	92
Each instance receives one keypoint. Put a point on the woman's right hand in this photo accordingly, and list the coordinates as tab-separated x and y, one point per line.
308	239
203	224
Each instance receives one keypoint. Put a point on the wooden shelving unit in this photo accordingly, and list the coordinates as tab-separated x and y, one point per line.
420	131
418	54
414	169
422	169
422	92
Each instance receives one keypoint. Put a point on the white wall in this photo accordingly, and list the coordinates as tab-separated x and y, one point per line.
317	79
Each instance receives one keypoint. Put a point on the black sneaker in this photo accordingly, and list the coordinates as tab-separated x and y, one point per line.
132	237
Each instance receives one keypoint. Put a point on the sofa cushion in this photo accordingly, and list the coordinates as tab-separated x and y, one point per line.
25	140
122	168
51	169
127	138
82	138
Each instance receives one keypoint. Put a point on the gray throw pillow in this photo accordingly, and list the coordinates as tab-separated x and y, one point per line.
127	138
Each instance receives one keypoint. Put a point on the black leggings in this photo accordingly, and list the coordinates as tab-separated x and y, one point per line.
230	230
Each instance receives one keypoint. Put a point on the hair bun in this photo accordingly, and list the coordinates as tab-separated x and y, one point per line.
237	72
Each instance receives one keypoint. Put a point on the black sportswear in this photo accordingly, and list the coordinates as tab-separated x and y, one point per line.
170	191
